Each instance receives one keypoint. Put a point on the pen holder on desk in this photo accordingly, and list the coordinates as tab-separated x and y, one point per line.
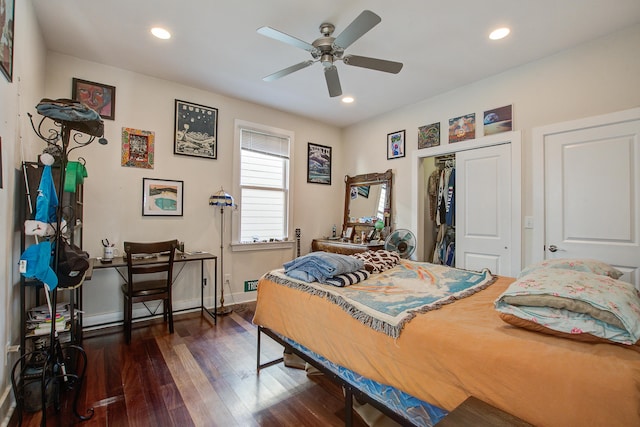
109	252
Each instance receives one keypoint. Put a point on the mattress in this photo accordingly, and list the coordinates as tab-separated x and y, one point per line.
464	349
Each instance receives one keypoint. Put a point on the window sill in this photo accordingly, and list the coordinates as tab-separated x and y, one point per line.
260	246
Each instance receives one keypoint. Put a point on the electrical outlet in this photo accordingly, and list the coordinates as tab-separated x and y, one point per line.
10	349
227	278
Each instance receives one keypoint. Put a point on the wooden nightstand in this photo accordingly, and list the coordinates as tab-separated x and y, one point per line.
474	412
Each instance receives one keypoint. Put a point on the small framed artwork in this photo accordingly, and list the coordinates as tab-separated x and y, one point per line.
162	197
137	148
395	144
318	164
97	96
429	135
7	8
462	128
348	233
498	120
195	130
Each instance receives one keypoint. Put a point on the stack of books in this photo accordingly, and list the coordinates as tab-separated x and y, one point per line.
39	319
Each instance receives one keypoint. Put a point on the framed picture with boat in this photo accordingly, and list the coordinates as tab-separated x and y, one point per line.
162	197
196	130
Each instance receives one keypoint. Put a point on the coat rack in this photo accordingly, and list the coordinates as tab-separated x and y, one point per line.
66	125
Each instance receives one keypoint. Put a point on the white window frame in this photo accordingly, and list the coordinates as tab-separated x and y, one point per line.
236	245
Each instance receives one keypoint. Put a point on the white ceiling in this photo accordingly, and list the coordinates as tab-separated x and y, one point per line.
215	47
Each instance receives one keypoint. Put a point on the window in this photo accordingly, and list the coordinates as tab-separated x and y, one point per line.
381	202
264	183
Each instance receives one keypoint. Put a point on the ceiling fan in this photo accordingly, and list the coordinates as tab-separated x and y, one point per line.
328	49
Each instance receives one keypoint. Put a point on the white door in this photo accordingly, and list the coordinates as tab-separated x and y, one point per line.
484	209
592	192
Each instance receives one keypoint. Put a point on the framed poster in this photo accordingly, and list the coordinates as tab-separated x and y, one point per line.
137	148
395	144
318	164
462	128
429	135
162	197
195	130
97	96
7	8
498	120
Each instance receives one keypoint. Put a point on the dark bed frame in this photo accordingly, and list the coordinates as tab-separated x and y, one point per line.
350	390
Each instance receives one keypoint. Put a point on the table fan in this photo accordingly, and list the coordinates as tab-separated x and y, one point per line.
402	241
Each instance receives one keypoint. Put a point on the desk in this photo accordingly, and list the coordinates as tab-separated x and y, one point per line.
180	258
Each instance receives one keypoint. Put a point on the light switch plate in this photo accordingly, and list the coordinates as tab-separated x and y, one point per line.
528	222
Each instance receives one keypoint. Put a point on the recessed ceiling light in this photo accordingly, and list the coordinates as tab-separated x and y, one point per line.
500	33
347	99
161	33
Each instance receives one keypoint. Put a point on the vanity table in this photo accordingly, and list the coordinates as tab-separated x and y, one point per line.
345	248
367	200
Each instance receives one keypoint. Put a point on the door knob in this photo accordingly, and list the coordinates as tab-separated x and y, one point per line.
553	248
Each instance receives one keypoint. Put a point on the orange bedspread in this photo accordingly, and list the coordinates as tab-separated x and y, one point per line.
464	349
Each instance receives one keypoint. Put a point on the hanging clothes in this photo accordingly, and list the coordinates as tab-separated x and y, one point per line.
445	216
47	200
432	191
36	260
450	215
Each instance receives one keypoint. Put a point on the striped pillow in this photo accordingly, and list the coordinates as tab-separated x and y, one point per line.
347	279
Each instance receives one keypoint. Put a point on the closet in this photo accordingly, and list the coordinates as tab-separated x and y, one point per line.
441	207
479	187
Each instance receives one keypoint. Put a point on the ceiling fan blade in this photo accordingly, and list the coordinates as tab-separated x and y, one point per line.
285	38
333	81
288	70
373	63
363	23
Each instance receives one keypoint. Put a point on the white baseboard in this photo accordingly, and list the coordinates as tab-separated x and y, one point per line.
116	318
7	406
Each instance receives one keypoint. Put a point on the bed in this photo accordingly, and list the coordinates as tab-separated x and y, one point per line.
458	349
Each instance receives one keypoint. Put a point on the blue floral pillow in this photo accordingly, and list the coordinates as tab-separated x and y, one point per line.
575	302
579	264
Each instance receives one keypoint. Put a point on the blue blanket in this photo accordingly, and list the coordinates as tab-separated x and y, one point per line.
320	266
387	301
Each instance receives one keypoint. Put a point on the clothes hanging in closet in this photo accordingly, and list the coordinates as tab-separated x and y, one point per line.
444	252
432	191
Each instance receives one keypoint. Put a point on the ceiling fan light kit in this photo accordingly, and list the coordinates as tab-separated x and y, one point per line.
328	49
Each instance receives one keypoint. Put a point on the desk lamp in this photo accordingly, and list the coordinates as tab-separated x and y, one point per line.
222	200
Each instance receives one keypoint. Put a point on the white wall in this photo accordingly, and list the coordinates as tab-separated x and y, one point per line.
17	137
595	78
113	193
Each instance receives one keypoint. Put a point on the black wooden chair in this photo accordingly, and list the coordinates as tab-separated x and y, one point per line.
149	277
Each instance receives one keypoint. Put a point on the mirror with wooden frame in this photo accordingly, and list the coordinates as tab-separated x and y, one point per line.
367	199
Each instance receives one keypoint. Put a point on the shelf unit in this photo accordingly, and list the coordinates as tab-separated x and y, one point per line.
71	204
44	372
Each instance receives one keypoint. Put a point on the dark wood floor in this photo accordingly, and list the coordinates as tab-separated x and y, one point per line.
202	375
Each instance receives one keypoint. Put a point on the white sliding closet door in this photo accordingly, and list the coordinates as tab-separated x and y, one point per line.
483	209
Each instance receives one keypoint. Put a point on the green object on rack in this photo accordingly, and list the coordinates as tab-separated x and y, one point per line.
75	174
